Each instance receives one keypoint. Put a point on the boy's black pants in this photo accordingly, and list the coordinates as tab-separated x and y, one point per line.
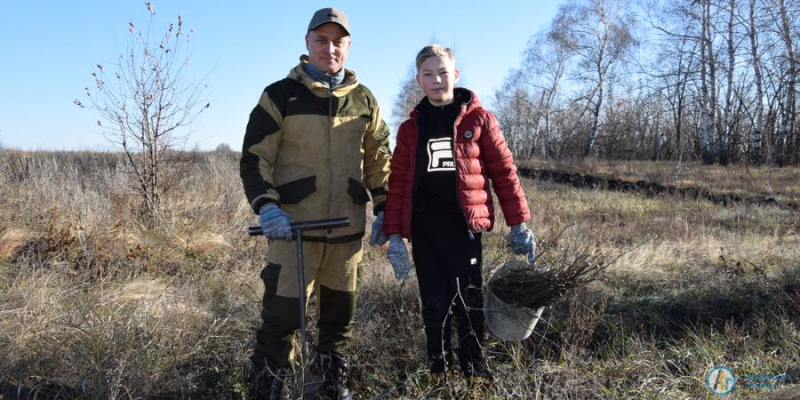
448	263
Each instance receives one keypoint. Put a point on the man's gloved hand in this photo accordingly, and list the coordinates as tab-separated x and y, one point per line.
376	237
398	257
275	223
522	241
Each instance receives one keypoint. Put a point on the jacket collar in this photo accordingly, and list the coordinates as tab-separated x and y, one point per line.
299	74
469	105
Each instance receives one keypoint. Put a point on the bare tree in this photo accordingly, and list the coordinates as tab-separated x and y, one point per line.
600	33
660	140
409	96
518	118
759	103
708	84
553	55
677	42
727	121
147	104
525	103
693	96
677	92
787	111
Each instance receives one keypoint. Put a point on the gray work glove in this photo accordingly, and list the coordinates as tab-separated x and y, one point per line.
522	241
275	223
376	237
398	257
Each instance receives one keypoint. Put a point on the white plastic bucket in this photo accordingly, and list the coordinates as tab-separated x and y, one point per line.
506	321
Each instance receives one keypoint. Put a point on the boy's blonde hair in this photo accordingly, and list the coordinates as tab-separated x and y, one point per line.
434	50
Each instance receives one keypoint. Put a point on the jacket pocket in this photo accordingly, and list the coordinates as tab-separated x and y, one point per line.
270	275
295	191
357	191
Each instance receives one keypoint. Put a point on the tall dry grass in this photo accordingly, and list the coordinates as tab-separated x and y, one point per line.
94	300
95	305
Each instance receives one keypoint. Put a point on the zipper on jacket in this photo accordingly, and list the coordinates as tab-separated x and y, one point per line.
458	199
330	146
330	109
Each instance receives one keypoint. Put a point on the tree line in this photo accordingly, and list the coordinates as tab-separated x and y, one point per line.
710	80
713	80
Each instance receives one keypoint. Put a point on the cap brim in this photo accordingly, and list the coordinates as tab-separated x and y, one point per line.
329	22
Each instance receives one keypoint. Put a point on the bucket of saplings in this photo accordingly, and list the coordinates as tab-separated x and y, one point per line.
518	291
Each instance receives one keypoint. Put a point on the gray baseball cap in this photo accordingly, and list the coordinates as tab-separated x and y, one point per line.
329	14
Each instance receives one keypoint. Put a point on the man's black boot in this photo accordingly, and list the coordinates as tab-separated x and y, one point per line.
263	384
335	370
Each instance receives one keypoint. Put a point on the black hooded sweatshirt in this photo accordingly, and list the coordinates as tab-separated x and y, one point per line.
435	179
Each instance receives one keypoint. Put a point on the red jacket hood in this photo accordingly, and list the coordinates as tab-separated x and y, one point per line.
469	105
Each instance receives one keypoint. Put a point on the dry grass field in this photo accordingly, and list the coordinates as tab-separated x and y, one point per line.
94	304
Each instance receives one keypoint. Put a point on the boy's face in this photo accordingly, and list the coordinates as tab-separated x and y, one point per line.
327	47
437	76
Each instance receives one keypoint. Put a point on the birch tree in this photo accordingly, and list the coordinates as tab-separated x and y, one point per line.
726	115
716	82
759	100
600	34
708	84
536	83
787	111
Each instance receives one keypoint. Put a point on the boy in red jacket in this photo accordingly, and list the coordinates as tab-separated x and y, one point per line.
439	198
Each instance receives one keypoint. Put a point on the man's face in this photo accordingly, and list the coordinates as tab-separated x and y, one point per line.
437	76
327	47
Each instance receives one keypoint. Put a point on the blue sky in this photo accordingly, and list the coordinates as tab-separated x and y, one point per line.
49	48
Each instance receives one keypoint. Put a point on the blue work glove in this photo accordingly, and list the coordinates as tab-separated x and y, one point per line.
376	237
522	241
398	257
275	223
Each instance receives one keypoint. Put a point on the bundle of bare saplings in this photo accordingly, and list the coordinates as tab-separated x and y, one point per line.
557	271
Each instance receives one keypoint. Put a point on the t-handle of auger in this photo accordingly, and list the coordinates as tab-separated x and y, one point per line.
314	225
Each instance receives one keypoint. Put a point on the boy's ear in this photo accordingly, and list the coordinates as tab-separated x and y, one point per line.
416	78
457	75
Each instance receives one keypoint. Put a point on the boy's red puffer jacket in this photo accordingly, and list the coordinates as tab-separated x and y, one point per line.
481	154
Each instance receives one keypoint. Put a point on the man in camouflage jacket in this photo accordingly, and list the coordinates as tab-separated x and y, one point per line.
315	148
